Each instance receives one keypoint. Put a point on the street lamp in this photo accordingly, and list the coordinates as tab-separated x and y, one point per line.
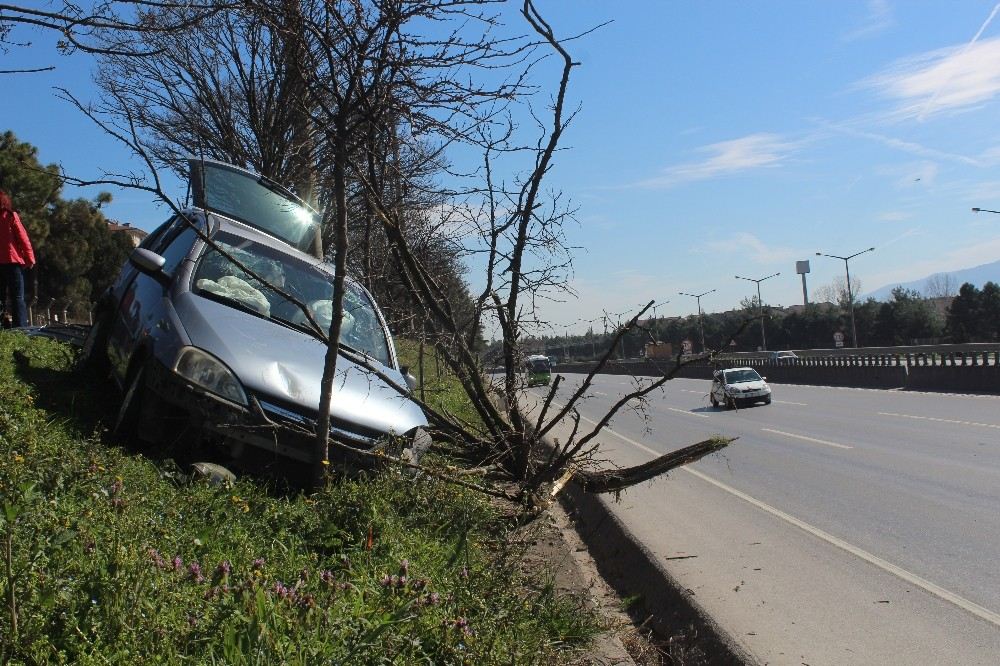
760	305
656	326
700	324
850	296
985	210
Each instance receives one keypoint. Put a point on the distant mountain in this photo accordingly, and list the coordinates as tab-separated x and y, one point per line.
978	275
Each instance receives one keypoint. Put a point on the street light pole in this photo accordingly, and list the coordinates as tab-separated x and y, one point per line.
850	296
701	325
985	210
656	326
760	305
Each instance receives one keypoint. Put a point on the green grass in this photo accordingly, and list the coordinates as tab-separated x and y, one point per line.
441	389
110	557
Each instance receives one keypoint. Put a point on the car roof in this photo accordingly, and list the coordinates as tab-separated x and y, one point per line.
741	368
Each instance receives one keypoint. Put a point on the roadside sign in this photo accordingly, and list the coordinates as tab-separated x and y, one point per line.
838	339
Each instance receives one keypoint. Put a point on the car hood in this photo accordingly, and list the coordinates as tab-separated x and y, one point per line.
280	363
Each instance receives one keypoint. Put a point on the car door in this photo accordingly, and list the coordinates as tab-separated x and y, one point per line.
140	298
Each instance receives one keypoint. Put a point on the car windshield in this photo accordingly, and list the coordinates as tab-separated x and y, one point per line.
220	279
538	365
255	201
739	376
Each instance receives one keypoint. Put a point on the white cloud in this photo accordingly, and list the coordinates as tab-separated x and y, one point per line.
726	158
948	80
750	246
878	19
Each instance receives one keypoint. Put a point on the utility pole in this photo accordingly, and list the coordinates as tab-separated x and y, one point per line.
850	295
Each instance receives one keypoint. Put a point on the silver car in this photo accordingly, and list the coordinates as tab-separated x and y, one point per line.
205	353
738	386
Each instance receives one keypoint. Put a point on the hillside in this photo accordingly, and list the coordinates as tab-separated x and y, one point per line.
977	275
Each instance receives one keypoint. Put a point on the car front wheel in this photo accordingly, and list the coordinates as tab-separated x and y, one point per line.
129	417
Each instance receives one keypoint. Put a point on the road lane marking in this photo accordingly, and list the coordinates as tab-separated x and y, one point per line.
690	391
786	402
930	418
912	578
808	439
684	411
899	572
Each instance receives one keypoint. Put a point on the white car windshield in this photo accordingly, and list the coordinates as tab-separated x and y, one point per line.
740	376
218	278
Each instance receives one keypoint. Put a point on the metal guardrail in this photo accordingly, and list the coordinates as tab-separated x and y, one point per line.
901	350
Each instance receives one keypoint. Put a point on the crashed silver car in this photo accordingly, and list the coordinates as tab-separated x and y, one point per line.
204	352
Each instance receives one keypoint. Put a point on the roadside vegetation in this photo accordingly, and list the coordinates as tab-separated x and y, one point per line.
112	557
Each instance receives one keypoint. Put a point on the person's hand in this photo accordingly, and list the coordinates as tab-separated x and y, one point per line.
28	267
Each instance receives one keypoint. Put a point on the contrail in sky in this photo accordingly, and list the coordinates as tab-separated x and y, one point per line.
972	41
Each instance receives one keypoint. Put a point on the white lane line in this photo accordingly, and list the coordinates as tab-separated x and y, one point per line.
899	572
684	411
929	418
889	567
786	402
808	439
690	391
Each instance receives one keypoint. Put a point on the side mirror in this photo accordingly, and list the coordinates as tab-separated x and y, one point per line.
411	381
149	263
763	379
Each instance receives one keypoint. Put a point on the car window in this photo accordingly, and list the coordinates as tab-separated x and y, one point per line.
255	201
178	247
152	242
745	375
218	278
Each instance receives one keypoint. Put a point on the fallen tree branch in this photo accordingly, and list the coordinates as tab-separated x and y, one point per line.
613	480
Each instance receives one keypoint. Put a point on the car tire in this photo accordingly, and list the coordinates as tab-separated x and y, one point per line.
94	355
767	400
128	420
730	402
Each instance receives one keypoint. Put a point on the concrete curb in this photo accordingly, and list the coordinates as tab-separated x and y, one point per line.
634	573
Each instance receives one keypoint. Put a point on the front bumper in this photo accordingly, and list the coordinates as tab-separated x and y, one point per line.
181	409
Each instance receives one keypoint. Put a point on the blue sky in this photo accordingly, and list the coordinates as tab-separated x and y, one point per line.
722	138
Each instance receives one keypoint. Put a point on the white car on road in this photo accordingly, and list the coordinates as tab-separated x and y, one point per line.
738	386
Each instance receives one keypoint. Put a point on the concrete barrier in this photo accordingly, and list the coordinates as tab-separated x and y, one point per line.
958	372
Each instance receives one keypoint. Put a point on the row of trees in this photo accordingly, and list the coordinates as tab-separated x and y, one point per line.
360	106
78	255
908	318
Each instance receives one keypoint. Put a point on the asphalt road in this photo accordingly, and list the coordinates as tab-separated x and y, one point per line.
843	526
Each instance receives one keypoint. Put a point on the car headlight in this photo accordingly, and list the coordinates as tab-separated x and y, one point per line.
201	368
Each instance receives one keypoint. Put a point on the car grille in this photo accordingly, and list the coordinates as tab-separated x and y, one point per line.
339	428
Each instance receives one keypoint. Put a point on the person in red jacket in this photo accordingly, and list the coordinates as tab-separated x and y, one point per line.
16	256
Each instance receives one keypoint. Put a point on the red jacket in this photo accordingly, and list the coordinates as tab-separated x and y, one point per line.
15	247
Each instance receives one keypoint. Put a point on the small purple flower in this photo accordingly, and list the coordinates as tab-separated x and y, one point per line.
386	581
434	598
401	581
326	576
258	563
156	557
224	568
178	563
195	570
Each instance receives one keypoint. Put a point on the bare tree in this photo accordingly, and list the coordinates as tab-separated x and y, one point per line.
941	285
376	103
836	291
